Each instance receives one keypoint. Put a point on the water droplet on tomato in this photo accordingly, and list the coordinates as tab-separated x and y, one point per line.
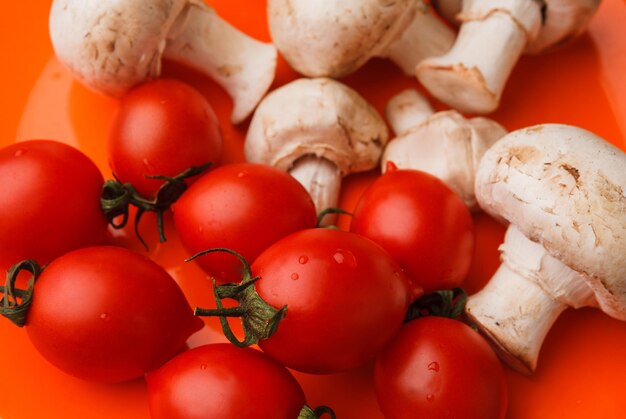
203	366
345	257
433	366
303	259
430	397
20	152
105	316
295	276
242	174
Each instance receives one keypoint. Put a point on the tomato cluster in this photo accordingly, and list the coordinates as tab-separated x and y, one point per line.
315	300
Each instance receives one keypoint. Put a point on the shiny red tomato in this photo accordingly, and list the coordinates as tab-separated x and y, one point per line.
244	207
345	298
108	314
50	202
436	368
423	224
162	128
223	381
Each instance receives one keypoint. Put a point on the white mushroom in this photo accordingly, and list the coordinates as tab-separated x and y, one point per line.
471	76
332	38
318	130
113	45
563	191
444	144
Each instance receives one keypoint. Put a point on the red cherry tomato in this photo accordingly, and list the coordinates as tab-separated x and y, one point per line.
108	314
423	224
436	368
244	207
345	298
223	381
50	202
162	128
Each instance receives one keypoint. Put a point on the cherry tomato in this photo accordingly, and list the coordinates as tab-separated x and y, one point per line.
345	298
423	224
438	367
108	314
50	202
223	381
162	128
244	207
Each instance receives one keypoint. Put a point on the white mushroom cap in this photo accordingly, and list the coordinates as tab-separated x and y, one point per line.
444	144
321	118
563	20
332	38
471	76
564	188
113	45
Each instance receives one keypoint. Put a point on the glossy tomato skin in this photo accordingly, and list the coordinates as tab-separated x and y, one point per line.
436	368
244	207
223	381
162	127
50	202
423	224
108	314
345	297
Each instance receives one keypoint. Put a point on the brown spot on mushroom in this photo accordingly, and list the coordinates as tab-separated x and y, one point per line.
611	192
535	129
229	70
572	171
523	154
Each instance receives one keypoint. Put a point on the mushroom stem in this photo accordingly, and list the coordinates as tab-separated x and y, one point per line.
472	75
523	299
322	179
243	66
425	36
407	110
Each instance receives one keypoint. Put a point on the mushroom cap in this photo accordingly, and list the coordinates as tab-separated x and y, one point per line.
563	20
448	146
112	45
320	117
335	37
564	188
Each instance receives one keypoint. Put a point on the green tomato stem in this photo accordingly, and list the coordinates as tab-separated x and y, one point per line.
259	319
116	198
319	411
15	302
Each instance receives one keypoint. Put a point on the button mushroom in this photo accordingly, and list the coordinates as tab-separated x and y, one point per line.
332	38
444	144
113	45
318	130
562	189
471	76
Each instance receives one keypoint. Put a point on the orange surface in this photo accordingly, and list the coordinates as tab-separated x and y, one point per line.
582	364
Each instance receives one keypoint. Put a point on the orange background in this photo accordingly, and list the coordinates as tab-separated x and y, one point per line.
582	364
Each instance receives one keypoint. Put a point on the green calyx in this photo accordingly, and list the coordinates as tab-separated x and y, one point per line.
444	303
259	319
318	412
116	198
330	211
15	302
